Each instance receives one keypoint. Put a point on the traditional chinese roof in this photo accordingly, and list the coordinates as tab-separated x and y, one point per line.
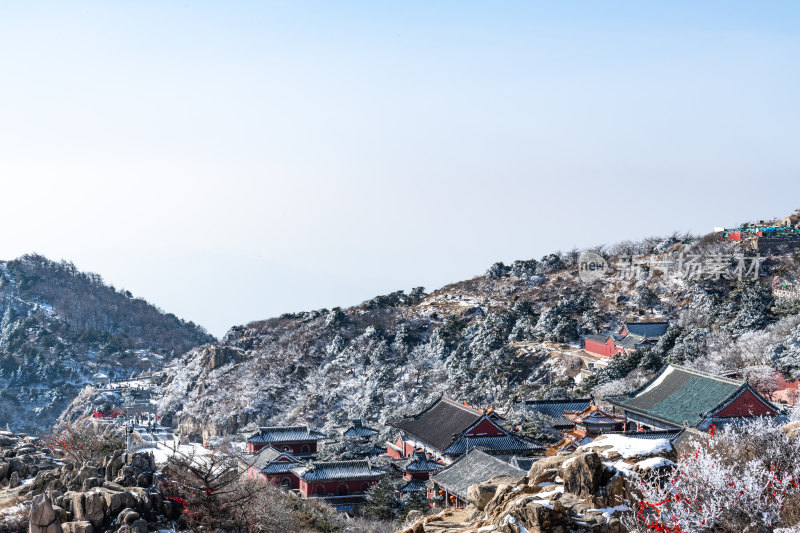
569	442
679	395
272	461
523	463
415	485
593	415
285	434
358	429
471	468
598	338
336	470
649	330
630	342
505	444
556	408
420	462
440	423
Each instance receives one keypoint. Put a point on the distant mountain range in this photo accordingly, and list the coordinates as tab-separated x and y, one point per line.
60	326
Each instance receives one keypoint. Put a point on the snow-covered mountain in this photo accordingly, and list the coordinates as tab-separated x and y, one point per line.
512	333
60	326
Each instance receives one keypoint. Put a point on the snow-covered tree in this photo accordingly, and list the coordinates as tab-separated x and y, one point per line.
743	479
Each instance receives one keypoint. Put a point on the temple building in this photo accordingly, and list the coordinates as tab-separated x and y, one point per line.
447	429
683	397
300	441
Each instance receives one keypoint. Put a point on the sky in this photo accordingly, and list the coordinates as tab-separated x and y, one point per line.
230	161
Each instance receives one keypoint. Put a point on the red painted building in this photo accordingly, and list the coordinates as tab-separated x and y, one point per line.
274	466
337	479
300	441
447	429
631	336
680	396
417	470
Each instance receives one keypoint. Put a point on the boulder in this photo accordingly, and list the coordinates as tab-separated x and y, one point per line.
128	516
44	518
77	527
413	516
90	506
13	481
545	469
481	494
115	501
583	474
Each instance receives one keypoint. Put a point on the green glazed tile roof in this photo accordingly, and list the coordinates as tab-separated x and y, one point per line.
681	395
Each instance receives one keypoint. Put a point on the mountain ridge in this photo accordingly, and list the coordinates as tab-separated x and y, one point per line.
59	326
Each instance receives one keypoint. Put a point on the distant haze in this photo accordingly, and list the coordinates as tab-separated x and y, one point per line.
229	161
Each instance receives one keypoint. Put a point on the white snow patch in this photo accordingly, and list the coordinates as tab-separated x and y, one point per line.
514	522
658	381
568	461
608	511
629	447
654	462
557	490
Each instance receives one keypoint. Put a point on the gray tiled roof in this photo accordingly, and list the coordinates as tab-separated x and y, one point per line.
285	434
555	409
598	338
473	467
631	341
437	425
679	395
523	463
264	461
419	462
647	329
335	470
358	429
415	485
499	443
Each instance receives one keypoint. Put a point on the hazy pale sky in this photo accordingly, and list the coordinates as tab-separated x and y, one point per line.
230	161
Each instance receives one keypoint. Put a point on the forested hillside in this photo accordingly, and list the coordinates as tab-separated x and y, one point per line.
513	333
59	326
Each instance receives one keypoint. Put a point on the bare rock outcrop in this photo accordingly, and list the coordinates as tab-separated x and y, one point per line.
44	518
585	490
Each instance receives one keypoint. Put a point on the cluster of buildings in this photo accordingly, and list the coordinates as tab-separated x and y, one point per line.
630	337
448	446
286	456
767	236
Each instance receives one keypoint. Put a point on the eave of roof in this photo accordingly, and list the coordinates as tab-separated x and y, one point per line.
658	381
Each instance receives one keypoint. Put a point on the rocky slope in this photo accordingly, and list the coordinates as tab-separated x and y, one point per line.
585	491
59	326
509	334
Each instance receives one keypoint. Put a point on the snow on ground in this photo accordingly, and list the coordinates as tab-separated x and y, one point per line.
608	511
162	451
654	462
514	522
628	447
